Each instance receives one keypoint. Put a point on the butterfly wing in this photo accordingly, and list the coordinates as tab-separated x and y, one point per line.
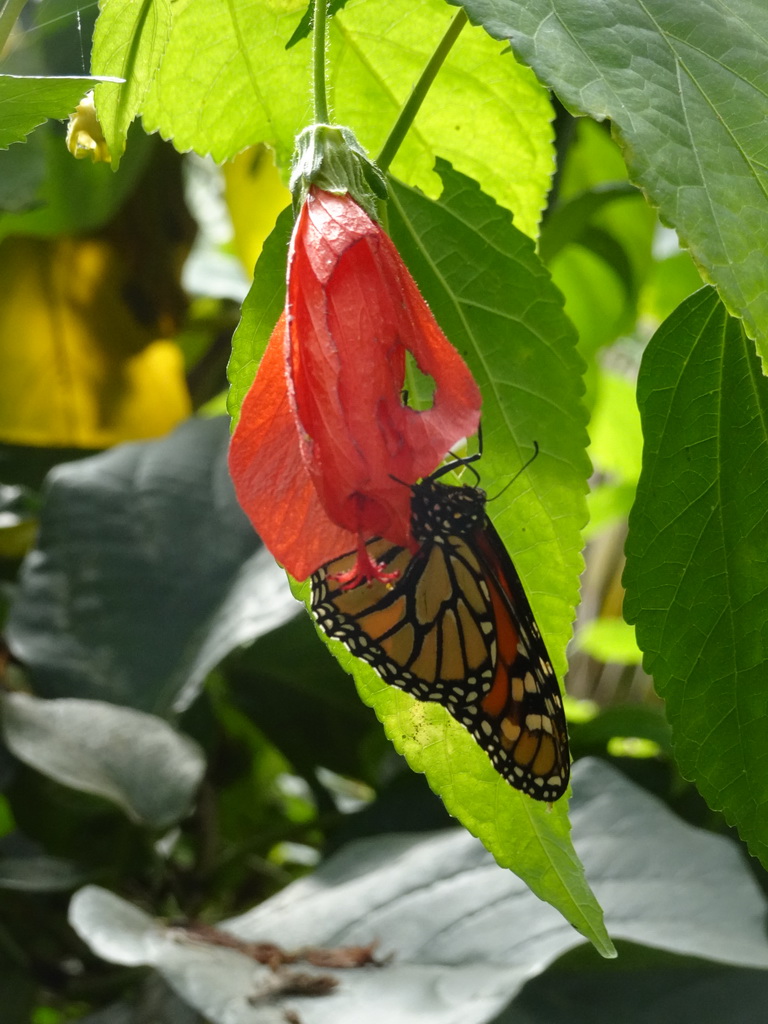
427	633
457	628
520	721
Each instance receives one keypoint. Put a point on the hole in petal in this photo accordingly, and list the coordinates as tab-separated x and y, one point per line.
418	387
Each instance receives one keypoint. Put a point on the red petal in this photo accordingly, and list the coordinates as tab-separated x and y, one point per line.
271	482
354	312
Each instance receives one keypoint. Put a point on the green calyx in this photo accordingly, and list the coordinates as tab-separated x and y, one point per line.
330	157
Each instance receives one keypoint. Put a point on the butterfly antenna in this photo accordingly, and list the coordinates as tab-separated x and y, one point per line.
517	474
457	461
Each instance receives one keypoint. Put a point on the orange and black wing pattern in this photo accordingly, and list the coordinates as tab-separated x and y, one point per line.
455	627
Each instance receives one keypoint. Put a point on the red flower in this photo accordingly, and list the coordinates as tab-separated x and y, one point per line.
324	429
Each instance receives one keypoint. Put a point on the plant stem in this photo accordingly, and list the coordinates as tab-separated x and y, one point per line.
420	90
9	13
318	54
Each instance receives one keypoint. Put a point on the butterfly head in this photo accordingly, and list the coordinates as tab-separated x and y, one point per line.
439	510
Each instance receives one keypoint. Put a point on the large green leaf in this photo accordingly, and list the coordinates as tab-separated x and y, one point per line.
129	42
697	573
496	302
494	299
684	87
145	576
485	113
459	936
226	81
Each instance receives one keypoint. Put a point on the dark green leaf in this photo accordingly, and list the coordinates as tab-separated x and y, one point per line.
684	87
305	25
569	219
668	988
39	873
135	760
75	195
22	172
146	574
697	573
297	694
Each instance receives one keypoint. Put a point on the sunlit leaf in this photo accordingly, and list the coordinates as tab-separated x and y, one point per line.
129	41
227	81
27	102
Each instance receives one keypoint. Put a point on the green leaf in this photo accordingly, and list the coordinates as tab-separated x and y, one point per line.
485	113
495	301
609	640
593	296
697	575
34	871
26	102
227	81
22	172
570	219
615	433
684	87
297	695
145	576
450	923
261	310
671	280
129	41
136	761
641	984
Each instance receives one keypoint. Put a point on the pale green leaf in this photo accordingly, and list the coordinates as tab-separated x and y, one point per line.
26	103
129	41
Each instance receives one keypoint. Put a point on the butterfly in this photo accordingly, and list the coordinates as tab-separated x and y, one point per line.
451	623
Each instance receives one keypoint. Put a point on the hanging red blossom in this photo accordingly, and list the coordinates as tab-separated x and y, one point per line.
324	428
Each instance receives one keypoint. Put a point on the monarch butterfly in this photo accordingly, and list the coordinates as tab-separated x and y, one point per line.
456	627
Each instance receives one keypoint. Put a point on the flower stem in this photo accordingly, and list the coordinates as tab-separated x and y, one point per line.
322	115
419	92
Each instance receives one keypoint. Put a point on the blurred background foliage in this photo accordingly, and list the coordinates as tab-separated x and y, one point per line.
120	296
